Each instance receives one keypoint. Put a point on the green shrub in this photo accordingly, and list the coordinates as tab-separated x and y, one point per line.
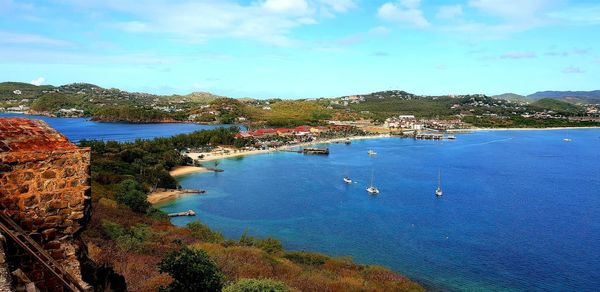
191	270
130	193
112	230
306	258
269	245
204	233
256	285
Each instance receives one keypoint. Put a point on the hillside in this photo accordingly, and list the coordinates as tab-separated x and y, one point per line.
511	96
557	106
571	96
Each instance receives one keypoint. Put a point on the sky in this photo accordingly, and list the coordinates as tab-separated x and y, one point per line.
304	48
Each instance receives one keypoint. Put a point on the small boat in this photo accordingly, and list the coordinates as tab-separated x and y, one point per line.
372	152
438	191
568	140
372	189
348	142
347	180
451	137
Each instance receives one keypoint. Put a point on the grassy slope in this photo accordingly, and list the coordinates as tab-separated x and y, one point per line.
137	259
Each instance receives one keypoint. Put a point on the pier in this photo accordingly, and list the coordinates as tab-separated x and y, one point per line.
429	137
320	151
183	214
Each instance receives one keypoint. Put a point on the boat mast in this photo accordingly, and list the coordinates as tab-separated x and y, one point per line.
372	174
439	179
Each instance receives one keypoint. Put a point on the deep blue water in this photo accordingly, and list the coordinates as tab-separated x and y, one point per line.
77	129
520	211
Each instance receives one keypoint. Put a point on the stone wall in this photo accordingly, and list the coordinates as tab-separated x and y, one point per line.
45	188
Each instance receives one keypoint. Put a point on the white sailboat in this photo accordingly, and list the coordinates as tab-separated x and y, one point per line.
372	189
438	191
372	152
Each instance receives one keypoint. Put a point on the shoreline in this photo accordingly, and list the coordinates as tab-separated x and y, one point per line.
165	195
282	148
520	129
183	170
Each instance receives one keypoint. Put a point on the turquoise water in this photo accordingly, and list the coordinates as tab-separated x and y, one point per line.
77	129
520	211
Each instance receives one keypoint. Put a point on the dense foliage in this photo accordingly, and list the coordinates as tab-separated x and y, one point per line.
145	164
131	194
295	113
192	270
130	114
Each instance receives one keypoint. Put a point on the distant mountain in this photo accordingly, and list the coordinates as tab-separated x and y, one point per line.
511	97
570	96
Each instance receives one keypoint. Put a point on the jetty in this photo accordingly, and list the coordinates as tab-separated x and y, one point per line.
183	214
320	151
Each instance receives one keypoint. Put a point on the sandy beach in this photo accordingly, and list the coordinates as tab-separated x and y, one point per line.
237	153
164	195
183	170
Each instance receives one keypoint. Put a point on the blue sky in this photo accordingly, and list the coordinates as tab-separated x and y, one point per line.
304	48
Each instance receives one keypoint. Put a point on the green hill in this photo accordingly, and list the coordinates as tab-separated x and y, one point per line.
557	106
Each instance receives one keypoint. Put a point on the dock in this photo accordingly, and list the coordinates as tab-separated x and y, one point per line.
183	214
319	151
429	136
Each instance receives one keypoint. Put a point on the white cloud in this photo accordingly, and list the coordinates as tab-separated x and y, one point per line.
38	81
339	5
379	30
449	11
512	9
404	12
518	55
582	14
293	7
573	70
269	21
29	39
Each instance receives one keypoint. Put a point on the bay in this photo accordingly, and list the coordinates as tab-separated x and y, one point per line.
520	211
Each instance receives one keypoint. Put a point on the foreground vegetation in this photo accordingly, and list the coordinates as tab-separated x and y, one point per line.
141	243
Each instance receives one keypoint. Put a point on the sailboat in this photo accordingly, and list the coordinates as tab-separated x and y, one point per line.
372	189
438	191
372	152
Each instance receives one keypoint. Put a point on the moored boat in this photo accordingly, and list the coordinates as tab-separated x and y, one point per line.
372	189
438	191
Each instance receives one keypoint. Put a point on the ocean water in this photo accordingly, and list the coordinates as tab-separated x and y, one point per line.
77	129
520	211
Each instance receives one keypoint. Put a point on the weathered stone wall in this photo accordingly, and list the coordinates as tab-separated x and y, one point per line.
45	188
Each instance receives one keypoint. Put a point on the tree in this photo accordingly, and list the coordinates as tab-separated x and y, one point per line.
204	233
130	193
191	270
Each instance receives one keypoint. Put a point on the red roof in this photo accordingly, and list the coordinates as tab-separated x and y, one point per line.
302	129
25	135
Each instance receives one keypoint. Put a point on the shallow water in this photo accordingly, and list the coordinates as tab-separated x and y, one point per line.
520	211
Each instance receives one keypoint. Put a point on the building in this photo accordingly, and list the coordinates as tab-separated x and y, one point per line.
45	194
